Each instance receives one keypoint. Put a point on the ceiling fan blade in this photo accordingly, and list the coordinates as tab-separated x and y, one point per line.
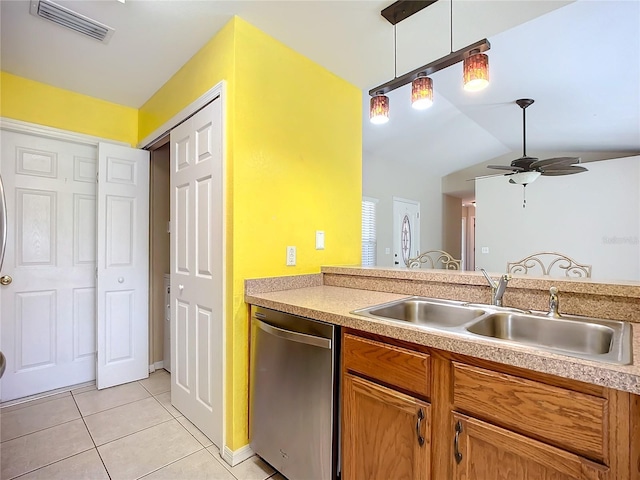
555	161
567	170
506	167
489	176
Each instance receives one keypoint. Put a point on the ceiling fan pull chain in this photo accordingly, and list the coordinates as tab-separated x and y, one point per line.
524	196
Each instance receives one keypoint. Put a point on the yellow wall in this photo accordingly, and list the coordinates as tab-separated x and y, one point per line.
35	102
297	169
293	143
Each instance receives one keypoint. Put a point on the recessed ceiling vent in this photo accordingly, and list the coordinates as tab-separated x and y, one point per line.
70	19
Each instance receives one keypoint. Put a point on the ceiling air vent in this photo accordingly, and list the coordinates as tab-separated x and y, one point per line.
70	19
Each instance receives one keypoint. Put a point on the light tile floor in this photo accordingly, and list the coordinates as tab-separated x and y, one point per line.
121	433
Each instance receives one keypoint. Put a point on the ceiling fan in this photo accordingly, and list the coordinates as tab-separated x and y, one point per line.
526	169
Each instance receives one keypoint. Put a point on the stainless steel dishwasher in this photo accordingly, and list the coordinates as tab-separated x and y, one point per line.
294	417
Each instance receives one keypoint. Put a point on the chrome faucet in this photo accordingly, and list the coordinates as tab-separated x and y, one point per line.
497	288
554	303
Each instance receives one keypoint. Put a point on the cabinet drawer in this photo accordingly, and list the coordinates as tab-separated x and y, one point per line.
402	368
570	420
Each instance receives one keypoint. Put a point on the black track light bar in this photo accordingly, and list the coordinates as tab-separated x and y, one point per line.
398	11
430	68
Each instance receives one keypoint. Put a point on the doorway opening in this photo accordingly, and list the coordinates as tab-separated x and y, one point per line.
159	227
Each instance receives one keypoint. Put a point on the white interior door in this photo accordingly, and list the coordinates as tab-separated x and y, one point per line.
47	314
123	265
197	262
406	231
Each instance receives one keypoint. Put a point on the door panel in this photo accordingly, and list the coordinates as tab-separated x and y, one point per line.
196	270
46	313
490	452
380	432
35	329
406	231
123	264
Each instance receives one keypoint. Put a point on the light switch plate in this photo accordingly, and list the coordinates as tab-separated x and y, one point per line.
319	240
485	249
291	256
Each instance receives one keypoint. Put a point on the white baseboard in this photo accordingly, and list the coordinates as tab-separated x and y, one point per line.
156	366
234	457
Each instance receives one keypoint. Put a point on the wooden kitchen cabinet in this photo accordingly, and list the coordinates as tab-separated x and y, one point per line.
484	451
386	434
386	418
514	423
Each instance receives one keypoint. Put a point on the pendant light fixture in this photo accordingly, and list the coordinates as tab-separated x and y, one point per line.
475	71
379	109
421	92
475	66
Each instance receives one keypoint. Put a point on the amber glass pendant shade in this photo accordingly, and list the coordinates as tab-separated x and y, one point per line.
421	92
476	72
379	109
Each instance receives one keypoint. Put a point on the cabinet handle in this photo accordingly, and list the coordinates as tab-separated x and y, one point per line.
418	423
456	451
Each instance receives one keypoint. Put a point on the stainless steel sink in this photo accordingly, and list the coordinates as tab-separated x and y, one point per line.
590	338
423	311
582	337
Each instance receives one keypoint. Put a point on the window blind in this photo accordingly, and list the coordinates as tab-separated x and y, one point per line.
368	232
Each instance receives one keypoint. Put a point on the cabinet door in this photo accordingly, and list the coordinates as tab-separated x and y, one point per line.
485	451
386	434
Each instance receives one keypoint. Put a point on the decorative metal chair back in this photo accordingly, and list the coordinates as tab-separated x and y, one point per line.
435	259
546	261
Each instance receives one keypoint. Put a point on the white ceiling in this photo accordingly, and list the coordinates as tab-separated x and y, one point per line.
579	61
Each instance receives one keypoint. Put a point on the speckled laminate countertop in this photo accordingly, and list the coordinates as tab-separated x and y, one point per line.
332	304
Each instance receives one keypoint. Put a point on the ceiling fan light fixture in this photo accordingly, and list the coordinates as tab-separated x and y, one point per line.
379	109
524	178
475	70
422	92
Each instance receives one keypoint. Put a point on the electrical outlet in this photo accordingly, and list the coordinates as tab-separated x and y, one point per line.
291	256
319	240
485	250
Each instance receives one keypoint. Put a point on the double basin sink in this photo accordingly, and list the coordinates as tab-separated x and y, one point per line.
589	338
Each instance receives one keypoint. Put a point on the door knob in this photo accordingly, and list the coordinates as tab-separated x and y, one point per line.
5	280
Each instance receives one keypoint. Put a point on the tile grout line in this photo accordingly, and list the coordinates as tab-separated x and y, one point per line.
111	408
48	465
41	430
91	437
168	464
133	433
212	444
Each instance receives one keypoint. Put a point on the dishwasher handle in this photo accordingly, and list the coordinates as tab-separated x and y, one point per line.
294	336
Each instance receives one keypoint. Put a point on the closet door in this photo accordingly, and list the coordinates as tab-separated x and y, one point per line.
47	313
123	265
197	262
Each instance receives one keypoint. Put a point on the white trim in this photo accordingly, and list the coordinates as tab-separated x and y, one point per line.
221	90
235	457
48	393
369	199
156	366
28	128
182	115
406	200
